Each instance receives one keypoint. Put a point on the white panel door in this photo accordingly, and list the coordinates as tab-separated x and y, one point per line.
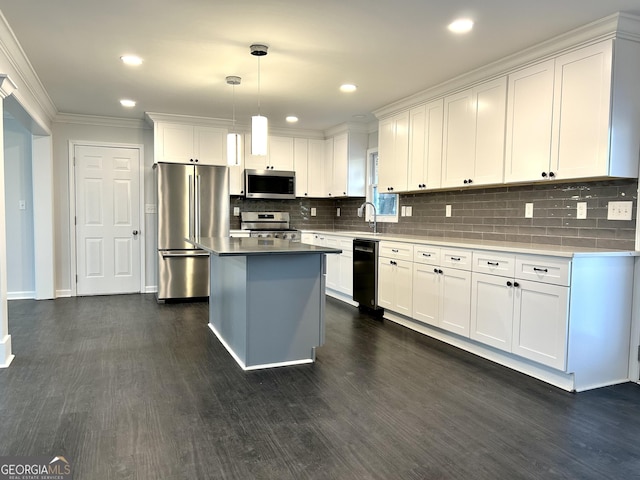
107	220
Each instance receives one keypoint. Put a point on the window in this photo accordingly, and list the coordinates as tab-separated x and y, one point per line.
386	203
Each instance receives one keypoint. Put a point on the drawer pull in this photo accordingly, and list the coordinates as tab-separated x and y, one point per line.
394	250
495	264
426	254
456	259
543	270
392	262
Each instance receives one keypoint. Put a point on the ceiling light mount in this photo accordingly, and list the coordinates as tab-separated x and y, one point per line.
258	50
233	80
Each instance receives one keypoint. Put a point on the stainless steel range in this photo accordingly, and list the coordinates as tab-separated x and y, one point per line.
269	225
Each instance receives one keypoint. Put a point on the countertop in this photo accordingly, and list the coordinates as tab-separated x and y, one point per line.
511	247
256	246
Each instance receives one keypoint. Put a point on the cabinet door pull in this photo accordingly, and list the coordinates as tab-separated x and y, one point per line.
440	271
435	270
543	270
495	264
516	284
509	283
551	174
544	174
456	259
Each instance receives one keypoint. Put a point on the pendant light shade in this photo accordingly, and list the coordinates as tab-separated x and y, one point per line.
234	140
259	123
259	132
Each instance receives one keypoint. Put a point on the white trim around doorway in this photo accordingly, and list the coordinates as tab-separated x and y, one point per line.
72	292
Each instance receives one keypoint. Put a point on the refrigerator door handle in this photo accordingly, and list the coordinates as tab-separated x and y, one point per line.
191	207
197	205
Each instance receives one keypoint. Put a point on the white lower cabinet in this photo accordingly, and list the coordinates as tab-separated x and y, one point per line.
455	298
426	293
540	323
395	285
339	267
492	310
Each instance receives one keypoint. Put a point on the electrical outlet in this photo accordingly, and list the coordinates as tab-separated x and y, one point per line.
403	211
620	210
338	212
236	211
447	211
409	210
528	210
581	210
313	211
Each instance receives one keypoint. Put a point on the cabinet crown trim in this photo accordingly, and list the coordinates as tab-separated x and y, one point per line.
617	25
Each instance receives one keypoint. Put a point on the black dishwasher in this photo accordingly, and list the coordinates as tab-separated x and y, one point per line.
365	274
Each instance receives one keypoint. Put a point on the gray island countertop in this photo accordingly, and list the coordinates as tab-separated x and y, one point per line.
225	246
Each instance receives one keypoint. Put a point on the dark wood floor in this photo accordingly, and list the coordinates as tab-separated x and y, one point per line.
126	388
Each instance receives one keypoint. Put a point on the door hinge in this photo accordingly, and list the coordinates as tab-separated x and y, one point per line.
75	220
639	353
76	278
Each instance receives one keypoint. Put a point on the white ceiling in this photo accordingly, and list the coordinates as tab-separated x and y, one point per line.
390	49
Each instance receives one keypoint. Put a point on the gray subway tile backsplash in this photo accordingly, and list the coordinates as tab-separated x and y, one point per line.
484	214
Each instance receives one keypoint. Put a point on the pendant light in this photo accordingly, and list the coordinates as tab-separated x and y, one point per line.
259	124
234	140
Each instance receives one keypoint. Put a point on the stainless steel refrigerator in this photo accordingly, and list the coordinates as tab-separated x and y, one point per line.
193	201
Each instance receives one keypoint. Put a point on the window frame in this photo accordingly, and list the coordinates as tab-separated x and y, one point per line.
371	152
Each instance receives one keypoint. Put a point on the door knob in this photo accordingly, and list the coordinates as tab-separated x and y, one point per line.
135	232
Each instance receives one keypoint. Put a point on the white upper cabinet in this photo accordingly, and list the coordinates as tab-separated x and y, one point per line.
393	153
178	143
425	146
529	120
309	163
279	154
347	155
473	139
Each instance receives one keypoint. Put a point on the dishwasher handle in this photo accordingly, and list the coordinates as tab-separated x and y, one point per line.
183	254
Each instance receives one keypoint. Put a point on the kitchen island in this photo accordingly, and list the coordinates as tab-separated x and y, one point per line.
266	300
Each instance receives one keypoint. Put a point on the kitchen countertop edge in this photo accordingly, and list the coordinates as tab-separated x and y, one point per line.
510	247
225	246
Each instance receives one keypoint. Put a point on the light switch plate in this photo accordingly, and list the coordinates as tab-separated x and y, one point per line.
337	211
236	211
447	211
403	211
528	210
150	208
22	205
581	210
313	211
620	210
409	210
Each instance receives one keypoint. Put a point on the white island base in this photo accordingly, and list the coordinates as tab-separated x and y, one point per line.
268	310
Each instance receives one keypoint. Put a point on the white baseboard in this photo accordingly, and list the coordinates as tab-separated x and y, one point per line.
63	293
21	295
151	289
6	357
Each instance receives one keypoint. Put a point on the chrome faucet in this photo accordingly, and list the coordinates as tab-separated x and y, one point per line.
361	210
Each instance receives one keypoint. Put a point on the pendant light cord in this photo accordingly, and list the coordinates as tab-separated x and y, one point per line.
259	85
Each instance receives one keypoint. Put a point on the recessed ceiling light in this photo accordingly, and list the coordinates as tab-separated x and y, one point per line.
461	25
127	103
131	60
348	87
292	119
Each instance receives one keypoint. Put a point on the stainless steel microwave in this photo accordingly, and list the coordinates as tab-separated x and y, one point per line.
278	184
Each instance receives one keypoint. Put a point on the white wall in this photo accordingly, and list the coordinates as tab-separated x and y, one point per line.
100	130
18	186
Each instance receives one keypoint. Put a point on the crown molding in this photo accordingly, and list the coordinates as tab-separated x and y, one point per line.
618	25
7	86
73	118
33	94
347	127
